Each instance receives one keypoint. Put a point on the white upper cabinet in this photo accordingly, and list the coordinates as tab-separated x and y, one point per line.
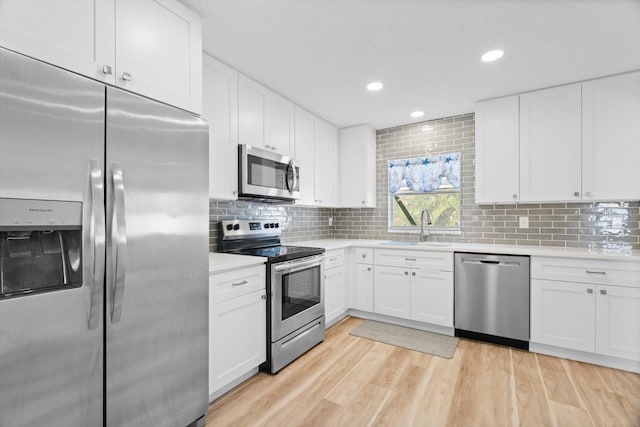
305	142
266	120
550	144
497	150
326	164
159	51
220	108
280	125
76	35
357	167
611	138
150	47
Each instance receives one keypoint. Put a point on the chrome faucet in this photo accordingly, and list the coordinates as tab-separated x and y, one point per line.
422	236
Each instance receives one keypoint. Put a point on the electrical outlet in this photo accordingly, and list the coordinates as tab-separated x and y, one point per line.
524	221
330	221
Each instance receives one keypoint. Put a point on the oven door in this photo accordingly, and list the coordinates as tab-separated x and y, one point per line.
265	174
297	294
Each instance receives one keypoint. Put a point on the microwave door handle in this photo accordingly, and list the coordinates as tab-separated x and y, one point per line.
96	225
119	242
293	166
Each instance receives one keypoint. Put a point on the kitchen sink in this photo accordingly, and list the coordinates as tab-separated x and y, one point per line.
435	244
399	243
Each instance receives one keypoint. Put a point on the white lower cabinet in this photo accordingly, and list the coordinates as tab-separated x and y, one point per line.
364	287
432	296
334	287
584	311
562	314
237	325
392	291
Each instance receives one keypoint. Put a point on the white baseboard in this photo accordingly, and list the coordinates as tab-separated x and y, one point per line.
581	356
233	384
335	320
443	330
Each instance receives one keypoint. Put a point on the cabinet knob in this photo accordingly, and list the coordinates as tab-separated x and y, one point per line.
406	273
413	273
589	291
576	193
364	255
368	268
264	296
106	69
126	77
603	292
588	193
515	196
363	202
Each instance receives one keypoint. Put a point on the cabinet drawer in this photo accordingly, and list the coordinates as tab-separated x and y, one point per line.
234	283
364	255
333	259
604	272
414	259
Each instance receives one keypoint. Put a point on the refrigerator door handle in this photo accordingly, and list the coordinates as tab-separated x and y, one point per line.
96	242
119	237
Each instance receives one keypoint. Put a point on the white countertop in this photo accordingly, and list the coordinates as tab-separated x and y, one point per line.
219	262
332	244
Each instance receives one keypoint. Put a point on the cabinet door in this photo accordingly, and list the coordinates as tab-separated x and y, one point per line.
237	338
76	35
432	297
392	291
610	135
334	293
563	314
357	167
364	287
497	150
280	125
159	51
550	144
618	321
220	108
325	171
305	141
253	100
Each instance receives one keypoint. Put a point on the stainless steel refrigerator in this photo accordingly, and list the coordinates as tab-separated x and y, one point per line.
103	254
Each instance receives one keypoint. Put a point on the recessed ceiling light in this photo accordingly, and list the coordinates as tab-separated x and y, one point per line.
492	55
374	86
416	114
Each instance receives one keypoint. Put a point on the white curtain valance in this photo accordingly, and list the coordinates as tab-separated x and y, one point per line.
425	174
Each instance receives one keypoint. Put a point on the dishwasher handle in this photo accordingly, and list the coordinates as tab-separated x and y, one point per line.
490	262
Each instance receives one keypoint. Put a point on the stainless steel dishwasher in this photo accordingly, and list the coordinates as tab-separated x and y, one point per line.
492	298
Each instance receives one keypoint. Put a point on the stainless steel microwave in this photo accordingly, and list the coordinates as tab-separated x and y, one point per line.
266	175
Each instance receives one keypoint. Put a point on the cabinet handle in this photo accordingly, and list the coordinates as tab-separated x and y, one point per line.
588	193
126	77
106	69
333	259
596	272
576	193
603	292
244	282
410	259
589	291
264	296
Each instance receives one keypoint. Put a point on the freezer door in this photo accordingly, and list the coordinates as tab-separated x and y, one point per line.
157	264
51	148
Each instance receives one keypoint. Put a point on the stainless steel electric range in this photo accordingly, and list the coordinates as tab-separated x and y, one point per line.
295	287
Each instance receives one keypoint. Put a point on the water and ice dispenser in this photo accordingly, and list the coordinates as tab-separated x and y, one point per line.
40	246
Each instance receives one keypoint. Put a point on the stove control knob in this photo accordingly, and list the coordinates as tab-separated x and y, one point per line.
236	226
229	226
267	225
277	225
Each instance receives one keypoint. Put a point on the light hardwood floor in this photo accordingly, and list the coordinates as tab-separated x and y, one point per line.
350	381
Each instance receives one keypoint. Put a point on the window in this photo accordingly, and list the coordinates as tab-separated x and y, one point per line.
431	183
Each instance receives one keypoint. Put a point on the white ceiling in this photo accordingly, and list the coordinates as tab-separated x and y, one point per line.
321	53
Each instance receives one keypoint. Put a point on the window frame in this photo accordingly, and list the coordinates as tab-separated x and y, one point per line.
416	229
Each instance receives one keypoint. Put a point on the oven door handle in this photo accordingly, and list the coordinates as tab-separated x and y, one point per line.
298	266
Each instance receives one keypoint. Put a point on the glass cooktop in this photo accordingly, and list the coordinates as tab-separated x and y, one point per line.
281	253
